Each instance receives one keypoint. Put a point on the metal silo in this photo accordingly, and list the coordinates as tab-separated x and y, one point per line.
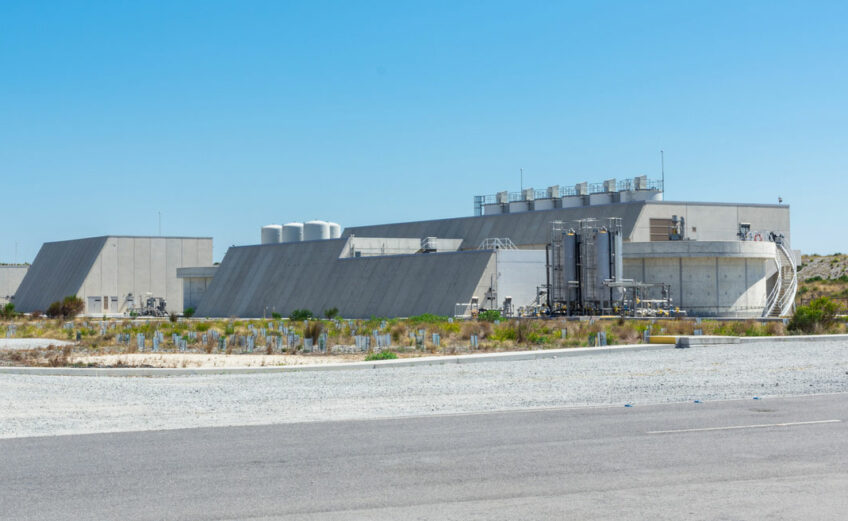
335	230
618	253
272	234
292	232
569	264
602	252
316	230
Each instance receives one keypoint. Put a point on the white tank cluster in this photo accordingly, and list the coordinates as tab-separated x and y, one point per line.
296	232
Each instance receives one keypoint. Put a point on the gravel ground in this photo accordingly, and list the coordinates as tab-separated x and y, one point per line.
49	405
31	343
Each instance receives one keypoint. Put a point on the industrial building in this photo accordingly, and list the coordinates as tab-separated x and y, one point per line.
708	259
11	276
113	274
599	248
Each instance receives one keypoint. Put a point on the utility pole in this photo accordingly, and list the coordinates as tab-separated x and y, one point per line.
522	179
662	168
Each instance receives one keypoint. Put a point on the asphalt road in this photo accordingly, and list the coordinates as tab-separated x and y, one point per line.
777	458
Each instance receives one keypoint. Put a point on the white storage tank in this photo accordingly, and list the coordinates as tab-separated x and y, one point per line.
272	234
335	230
316	230
292	232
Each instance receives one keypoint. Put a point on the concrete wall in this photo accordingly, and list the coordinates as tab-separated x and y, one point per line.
706	278
519	272
140	265
10	278
713	221
254	281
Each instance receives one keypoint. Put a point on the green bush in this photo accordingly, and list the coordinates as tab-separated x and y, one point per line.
489	315
300	314
816	317
426	318
7	311
69	307
276	316
381	355
188	313
331	313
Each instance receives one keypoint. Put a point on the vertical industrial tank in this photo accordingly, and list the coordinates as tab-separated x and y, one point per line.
569	268
618	253
292	232
272	234
602	251
335	230
316	231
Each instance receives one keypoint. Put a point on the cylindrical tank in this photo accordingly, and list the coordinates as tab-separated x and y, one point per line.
569	263
602	251
335	230
619	263
292	232
316	231
272	234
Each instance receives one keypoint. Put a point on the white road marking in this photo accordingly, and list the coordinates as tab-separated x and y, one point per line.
759	426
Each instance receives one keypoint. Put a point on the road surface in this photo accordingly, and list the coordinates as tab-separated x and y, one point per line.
775	458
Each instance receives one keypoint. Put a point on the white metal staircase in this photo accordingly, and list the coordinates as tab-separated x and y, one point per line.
781	300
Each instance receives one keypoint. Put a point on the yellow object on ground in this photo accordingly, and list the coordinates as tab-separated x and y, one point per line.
662	340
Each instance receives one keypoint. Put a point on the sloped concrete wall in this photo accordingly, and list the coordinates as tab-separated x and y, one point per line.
254	281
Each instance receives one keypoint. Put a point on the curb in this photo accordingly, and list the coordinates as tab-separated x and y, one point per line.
381	364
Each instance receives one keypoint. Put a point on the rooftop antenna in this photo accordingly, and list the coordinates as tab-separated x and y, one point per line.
522	179
662	168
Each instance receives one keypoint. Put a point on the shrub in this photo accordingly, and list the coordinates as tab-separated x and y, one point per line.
7	311
276	316
188	313
300	314
202	327
331	313
172	317
818	316
381	355
489	315
426	318
69	307
313	330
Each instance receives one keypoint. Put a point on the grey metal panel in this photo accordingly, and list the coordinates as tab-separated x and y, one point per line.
59	270
254	279
525	229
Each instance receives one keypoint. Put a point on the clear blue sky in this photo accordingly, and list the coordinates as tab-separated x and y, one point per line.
226	116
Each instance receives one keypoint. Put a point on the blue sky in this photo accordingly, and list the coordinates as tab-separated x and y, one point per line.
226	116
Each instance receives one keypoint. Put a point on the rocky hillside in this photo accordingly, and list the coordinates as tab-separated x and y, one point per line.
823	276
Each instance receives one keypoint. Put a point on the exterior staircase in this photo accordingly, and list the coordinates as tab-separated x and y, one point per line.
781	301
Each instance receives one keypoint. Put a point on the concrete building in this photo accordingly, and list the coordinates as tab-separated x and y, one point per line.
11	276
716	257
112	274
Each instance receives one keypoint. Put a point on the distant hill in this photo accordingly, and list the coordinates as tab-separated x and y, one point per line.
823	276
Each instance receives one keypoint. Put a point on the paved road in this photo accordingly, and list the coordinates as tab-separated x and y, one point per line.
681	461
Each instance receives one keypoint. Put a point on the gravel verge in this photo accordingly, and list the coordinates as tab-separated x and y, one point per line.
31	343
49	405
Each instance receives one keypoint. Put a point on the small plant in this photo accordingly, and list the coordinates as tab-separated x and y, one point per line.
8	311
188	313
276	316
381	355
172	317
489	315
300	314
331	313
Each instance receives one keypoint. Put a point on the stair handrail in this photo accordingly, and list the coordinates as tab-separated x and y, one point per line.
788	300
771	299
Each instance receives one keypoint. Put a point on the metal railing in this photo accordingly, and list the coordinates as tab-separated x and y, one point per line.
497	243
